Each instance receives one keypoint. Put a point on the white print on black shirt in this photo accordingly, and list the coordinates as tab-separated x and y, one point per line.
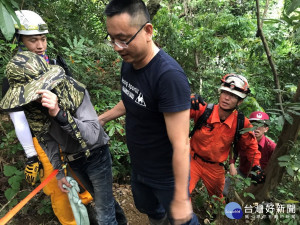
133	93
140	100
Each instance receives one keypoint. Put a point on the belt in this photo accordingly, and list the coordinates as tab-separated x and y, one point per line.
79	155
205	160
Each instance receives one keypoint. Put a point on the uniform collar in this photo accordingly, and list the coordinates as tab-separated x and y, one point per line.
262	141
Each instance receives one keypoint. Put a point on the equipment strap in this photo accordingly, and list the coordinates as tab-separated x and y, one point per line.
203	118
239	127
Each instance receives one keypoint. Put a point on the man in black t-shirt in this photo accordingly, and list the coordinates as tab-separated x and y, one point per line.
155	100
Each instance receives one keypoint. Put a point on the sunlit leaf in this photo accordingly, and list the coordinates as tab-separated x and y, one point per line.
6	23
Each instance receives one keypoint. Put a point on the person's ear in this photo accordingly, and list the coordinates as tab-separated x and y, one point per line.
149	31
240	101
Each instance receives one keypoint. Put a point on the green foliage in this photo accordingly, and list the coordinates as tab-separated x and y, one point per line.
239	184
118	149
121	160
6	143
45	207
292	162
6	14
250	105
15	178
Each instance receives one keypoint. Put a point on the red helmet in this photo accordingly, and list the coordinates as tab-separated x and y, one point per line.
258	115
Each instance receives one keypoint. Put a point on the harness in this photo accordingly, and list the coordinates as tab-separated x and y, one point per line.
202	120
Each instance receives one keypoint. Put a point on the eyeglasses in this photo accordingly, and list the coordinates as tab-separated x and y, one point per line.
122	44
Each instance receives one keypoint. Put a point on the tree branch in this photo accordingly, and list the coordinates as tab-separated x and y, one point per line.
269	56
265	13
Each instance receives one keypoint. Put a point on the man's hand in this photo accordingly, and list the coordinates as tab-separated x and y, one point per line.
257	174
181	211
232	169
195	100
33	165
50	101
65	182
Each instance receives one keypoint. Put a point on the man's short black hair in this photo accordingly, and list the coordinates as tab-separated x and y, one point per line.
133	7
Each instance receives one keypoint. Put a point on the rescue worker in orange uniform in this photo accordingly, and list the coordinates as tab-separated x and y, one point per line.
210	145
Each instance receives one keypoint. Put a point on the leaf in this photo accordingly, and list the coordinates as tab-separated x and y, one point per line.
283	164
8	5
288	118
9	170
6	23
13	203
15	182
286	220
245	130
294	5
294	112
249	194
284	158
290	171
248	182
290	201
14	4
111	131
9	193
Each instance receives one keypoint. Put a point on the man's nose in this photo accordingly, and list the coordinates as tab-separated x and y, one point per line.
117	48
39	44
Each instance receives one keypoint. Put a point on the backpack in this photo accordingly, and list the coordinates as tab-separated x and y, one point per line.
61	62
203	118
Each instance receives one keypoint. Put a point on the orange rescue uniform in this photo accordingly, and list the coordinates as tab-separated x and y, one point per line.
210	147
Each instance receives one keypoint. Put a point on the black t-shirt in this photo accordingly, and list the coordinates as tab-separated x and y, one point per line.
147	93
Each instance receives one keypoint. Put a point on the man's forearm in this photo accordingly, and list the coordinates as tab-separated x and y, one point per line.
181	172
116	112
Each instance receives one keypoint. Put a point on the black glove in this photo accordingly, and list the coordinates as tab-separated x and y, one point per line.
33	166
258	175
195	100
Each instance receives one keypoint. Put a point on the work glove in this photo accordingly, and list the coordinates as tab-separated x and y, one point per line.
33	166
195	100
257	174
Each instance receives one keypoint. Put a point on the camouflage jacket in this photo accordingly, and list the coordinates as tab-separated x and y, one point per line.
92	132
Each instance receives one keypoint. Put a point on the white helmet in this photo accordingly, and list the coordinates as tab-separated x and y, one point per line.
236	84
31	23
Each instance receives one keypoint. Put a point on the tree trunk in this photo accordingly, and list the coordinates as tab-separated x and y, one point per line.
274	172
